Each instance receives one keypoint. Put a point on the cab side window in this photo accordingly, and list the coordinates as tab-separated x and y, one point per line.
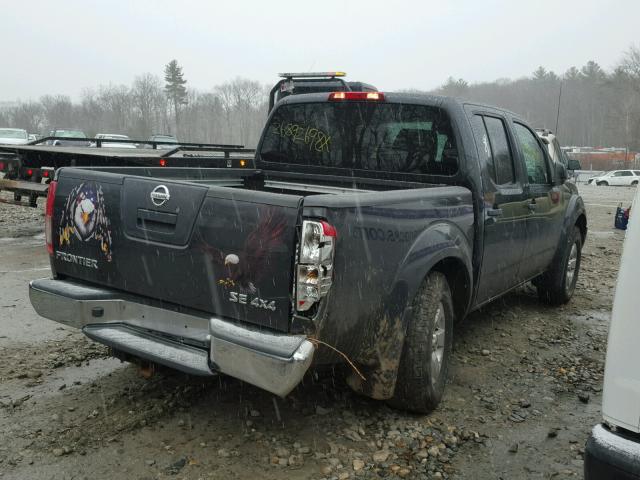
533	155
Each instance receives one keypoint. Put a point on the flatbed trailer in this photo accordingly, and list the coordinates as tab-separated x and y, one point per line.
32	166
20	189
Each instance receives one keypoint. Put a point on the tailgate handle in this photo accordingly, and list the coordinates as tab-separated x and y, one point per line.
158	221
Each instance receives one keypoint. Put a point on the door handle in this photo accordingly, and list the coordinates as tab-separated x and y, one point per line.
494	212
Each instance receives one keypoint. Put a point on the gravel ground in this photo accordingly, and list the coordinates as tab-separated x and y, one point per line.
18	221
524	391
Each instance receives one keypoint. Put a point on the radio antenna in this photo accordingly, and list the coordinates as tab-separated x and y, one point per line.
558	114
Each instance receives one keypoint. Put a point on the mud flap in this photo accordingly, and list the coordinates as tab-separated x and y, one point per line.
381	356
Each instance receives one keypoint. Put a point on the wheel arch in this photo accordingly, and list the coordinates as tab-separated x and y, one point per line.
443	248
459	280
581	223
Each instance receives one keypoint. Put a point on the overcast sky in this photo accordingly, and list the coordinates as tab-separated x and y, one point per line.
66	46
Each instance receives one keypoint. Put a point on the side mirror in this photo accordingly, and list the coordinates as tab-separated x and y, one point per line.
561	172
574	165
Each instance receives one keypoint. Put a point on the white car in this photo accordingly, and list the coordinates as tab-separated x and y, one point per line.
113	136
617	177
13	136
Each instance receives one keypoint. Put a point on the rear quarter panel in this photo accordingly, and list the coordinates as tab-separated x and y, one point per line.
386	245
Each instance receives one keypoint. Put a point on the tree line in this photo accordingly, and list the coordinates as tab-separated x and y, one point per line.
233	112
596	107
588	106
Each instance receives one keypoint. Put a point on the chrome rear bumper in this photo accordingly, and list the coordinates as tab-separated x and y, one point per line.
197	345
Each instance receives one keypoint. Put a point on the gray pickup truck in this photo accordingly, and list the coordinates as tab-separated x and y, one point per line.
369	223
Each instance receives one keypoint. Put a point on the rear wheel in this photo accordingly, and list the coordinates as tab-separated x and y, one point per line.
634	183
427	348
556	286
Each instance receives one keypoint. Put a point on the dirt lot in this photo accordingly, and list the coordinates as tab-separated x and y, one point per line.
524	392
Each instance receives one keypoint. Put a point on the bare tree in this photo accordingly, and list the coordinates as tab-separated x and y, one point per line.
29	115
149	103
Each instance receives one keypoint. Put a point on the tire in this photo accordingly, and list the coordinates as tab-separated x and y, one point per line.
603	184
556	287
421	377
17	197
634	183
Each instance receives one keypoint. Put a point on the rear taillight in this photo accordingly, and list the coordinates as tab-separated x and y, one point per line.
29	172
371	96
163	162
48	216
315	263
1	166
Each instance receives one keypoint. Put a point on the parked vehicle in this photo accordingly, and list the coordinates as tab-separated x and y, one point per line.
33	137
112	136
65	136
371	222
556	152
616	178
613	449
165	142
314	82
13	136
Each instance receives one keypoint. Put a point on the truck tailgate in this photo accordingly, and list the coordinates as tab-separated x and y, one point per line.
227	252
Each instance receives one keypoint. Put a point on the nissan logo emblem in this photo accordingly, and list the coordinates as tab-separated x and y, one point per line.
160	195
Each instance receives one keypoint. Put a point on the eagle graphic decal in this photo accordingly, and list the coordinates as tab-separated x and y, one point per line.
84	218
242	268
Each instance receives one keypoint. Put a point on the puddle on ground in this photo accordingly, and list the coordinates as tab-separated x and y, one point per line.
604	234
24	241
71	377
593	319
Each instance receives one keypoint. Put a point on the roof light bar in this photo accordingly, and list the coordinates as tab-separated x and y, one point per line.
371	96
312	74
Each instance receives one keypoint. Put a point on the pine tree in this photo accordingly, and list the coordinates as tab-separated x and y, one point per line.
174	88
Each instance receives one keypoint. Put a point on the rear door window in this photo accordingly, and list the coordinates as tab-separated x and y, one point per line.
482	142
534	158
502	159
493	148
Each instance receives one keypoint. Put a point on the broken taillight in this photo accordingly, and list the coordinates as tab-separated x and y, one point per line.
315	263
48	216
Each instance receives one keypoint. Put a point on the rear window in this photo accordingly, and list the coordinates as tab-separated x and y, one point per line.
70	134
384	137
13	133
161	138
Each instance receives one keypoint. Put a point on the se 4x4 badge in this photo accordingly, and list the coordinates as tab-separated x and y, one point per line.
243	299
